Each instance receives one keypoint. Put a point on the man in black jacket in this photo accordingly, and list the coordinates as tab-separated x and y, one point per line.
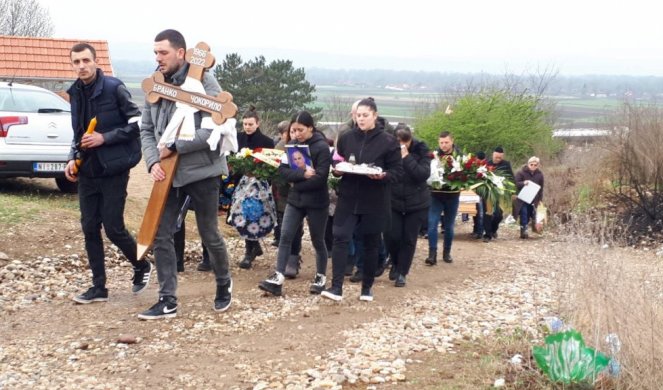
492	218
107	155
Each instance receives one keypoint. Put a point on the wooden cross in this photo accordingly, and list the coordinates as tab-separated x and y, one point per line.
220	107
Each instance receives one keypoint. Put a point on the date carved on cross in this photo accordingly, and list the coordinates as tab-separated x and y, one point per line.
220	107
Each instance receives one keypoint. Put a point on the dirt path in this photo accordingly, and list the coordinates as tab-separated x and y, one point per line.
262	341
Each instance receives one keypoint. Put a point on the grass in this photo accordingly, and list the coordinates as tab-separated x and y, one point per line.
27	205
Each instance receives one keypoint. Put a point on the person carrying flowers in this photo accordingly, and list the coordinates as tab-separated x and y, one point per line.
444	198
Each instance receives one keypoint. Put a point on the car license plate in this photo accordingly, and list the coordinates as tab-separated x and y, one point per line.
48	167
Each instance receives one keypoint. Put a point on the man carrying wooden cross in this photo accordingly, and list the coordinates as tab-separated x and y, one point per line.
197	175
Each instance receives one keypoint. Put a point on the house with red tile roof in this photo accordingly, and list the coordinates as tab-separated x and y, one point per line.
45	62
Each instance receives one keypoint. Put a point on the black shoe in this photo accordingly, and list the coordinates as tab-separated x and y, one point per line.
273	284
204	267
257	250
292	266
318	284
246	261
494	235
142	277
432	256
349	268
366	295
393	273
166	307
180	266
400	281
476	236
224	296
446	256
380	270
486	238
523	233
93	294
333	293
357	277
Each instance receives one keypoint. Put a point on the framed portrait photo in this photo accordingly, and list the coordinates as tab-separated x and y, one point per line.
299	156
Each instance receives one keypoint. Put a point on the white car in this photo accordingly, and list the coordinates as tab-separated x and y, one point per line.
35	134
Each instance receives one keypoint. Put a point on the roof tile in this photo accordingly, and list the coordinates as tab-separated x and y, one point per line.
45	57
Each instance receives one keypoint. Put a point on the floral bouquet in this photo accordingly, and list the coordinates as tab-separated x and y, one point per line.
259	163
467	172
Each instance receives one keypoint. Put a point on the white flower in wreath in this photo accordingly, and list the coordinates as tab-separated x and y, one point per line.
253	228
465	158
239	220
482	169
265	221
456	166
497	180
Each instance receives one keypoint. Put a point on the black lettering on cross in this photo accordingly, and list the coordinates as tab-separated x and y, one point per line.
220	107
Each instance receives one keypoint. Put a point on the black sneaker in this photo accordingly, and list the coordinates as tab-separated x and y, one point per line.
273	284
93	294
400	281
142	278
366	295
166	307
357	277
333	293
224	296
318	285
349	268
380	270
204	267
393	273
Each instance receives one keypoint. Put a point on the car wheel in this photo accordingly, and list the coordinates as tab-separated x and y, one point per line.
66	186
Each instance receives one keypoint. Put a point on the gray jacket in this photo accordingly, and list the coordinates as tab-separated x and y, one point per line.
196	160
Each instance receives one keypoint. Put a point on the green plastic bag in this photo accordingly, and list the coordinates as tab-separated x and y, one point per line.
565	358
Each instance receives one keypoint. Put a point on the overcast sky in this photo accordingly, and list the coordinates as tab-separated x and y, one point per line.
575	37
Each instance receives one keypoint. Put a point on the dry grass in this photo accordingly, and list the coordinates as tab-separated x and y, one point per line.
602	290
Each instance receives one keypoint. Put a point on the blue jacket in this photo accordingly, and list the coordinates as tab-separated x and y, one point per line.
117	121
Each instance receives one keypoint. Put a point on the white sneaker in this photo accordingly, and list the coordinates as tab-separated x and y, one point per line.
318	284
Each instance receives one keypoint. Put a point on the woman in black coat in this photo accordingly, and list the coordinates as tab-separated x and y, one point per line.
363	199
410	199
308	198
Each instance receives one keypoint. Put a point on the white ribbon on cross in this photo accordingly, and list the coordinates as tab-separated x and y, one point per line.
184	115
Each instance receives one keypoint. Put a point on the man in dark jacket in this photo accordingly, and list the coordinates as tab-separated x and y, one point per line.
493	217
444	200
107	155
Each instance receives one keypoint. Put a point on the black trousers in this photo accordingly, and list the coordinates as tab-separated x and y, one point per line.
369	229
102	201
402	238
491	222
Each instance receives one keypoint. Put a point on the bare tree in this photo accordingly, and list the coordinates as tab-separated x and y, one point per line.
24	18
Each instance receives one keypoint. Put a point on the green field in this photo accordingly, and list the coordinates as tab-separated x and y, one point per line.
406	106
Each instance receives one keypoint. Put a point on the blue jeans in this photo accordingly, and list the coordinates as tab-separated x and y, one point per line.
527	212
450	208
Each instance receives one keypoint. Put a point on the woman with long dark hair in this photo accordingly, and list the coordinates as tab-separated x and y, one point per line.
308	198
363	199
410	200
